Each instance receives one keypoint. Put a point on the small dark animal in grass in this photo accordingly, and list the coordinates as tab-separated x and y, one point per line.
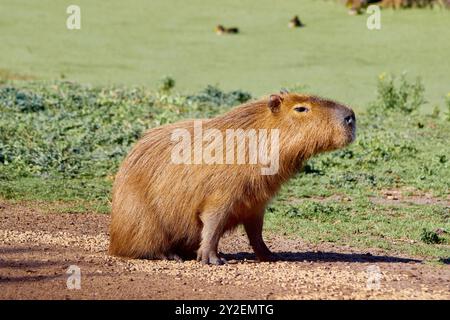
164	210
220	30
295	23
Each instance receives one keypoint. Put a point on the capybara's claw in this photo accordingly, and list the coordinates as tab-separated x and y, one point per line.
217	260
210	258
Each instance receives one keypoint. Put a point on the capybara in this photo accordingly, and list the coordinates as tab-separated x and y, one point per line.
220	30
295	22
164	209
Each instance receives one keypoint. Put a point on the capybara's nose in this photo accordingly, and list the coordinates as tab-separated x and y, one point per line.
350	119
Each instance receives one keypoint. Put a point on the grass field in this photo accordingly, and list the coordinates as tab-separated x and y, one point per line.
61	144
138	42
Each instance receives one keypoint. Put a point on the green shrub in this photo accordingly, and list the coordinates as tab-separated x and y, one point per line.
312	210
21	100
67	129
447	102
430	237
213	96
398	95
167	84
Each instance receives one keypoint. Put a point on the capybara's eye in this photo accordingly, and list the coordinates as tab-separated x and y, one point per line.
301	109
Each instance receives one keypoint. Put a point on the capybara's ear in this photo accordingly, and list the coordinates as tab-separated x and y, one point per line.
275	102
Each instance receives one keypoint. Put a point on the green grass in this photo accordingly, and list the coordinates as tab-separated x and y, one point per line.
61	144
138	42
360	223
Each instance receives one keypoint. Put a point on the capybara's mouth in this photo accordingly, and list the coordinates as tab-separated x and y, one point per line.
348	136
352	135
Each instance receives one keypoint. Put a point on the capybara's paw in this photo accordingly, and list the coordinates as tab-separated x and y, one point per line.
174	257
210	257
168	256
217	260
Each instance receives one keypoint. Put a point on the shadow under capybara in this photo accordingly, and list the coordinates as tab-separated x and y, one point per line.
166	209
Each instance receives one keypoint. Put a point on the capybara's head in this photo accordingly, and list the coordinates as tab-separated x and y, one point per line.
315	123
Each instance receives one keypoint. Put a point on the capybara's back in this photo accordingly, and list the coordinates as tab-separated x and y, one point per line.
175	195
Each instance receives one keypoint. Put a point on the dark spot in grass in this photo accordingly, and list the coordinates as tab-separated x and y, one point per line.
430	237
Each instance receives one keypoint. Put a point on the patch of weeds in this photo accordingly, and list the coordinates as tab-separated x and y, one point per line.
436	112
398	96
312	210
444	260
348	179
213	96
21	100
447	104
430	237
167	84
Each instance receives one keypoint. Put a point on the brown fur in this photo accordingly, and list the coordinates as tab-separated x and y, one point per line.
164	210
222	30
295	22
396	4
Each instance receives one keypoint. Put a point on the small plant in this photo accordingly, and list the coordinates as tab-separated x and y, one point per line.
447	103
436	112
21	100
167	84
316	211
297	87
398	96
213	96
430	237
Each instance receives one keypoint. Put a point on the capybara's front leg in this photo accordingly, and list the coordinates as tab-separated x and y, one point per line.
213	224
253	227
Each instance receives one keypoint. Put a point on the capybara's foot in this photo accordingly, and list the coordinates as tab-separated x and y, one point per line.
262	252
169	256
210	257
174	257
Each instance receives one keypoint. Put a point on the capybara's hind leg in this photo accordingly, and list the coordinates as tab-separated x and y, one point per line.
213	225
253	226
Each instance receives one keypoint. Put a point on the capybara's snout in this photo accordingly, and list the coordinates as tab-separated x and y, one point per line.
350	122
346	117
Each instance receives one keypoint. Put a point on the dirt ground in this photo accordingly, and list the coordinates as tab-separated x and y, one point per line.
37	248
